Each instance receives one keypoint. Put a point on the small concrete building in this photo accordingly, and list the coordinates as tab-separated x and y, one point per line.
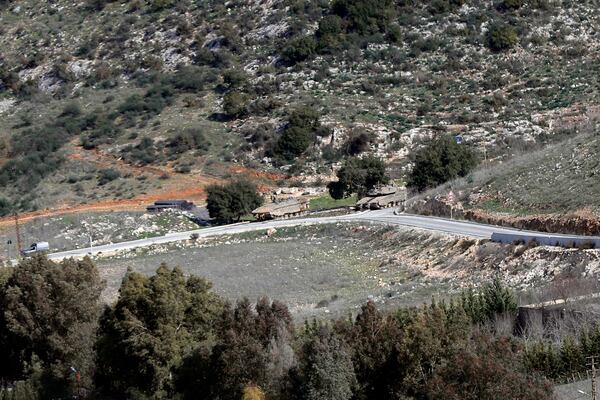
284	209
382	197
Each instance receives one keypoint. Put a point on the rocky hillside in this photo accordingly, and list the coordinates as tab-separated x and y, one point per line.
108	99
553	189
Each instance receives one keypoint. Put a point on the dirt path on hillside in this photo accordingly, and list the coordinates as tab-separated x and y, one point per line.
178	186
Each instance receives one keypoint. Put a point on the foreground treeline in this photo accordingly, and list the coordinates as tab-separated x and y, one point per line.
169	336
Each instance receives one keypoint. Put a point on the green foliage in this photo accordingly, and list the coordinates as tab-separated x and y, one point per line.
501	37
358	175
235	104
357	143
299	49
232	201
439	161
48	321
107	175
235	78
328	368
511	4
5	207
189	139
154	324
487	371
252	347
301	131
494	300
365	17
293	142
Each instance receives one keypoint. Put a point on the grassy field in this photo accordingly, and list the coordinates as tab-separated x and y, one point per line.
326	201
320	270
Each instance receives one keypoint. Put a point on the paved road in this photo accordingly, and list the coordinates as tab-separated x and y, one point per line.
386	216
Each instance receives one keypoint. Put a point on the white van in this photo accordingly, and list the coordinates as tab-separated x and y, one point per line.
35	248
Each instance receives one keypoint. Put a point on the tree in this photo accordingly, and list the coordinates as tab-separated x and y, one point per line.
301	131
501	37
48	321
358	175
293	142
243	355
357	143
439	161
374	337
492	370
188	139
232	201
156	321
327	366
498	299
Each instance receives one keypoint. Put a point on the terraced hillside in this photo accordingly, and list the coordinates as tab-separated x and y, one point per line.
108	99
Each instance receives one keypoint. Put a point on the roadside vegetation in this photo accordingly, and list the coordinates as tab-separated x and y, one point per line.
230	202
170	335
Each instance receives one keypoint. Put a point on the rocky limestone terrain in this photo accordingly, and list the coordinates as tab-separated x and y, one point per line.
438	75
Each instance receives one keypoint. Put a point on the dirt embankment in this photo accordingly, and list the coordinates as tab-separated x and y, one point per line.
581	222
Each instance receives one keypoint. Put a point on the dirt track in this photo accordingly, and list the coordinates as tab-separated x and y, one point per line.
185	186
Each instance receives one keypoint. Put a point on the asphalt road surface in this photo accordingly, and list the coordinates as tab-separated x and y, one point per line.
386	216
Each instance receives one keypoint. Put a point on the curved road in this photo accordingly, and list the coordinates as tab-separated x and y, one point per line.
386	216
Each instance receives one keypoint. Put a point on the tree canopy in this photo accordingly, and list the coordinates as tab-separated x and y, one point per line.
228	203
358	175
48	319
441	160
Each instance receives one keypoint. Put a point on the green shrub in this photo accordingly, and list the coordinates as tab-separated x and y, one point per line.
299	49
511	4
235	104
189	139
439	161
107	175
501	37
357	143
293	142
5	207
365	17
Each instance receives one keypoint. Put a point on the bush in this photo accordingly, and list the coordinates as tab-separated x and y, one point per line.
5	207
301	131
365	17
357	143
511	4
441	160
189	139
501	37
293	142
299	49
107	175
235	104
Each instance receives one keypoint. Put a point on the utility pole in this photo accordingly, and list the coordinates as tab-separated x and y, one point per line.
18	232
592	364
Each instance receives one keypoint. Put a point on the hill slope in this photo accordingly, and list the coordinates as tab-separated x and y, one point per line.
191	87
